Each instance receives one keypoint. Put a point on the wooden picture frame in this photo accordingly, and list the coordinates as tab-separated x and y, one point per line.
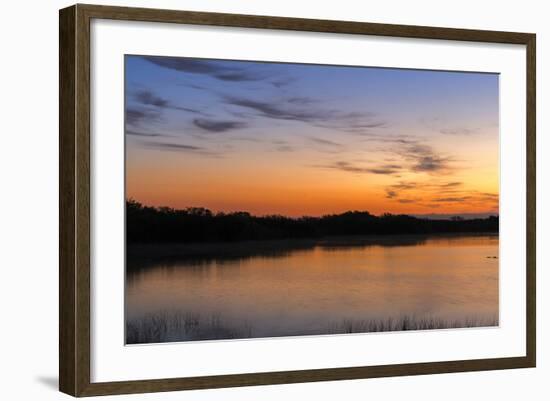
74	205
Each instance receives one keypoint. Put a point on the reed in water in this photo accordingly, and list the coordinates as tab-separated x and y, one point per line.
169	327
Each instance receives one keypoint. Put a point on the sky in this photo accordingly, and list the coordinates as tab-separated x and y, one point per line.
306	139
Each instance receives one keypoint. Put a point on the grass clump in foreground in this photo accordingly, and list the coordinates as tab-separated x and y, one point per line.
172	327
408	323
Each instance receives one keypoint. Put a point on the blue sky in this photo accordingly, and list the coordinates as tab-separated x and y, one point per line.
403	134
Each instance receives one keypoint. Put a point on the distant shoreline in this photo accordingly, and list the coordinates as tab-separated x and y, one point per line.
146	224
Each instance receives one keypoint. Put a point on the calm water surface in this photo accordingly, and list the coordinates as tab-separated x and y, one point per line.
308	287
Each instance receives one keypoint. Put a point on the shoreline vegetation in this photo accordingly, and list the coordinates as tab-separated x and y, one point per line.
145	224
171	327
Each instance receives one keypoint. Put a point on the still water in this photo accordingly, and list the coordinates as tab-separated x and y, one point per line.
286	288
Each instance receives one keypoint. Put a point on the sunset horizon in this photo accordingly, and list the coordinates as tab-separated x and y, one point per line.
310	140
276	199
473	215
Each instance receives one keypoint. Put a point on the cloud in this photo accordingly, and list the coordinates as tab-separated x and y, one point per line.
245	139
423	158
179	147
238	76
430	163
217	126
325	142
470	197
439	125
352	168
307	111
214	69
452	199
175	146
134	116
450	184
284	148
404	185
364	129
431	193
301	100
282	82
194	86
148	98
395	191
275	111
386	169
457	131
146	134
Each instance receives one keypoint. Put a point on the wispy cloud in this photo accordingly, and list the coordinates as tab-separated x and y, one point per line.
444	127
307	110
413	154
302	100
434	194
214	69
148	98
452	199
386	169
422	158
324	142
136	116
457	131
179	147
217	126
425	159
282	82
284	148
435	187
146	134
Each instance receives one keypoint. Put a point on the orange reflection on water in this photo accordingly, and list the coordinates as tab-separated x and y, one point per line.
303	291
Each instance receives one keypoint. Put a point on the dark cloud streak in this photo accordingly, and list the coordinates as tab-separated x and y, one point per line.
214	69
148	98
146	134
134	116
179	147
218	126
305	110
351	168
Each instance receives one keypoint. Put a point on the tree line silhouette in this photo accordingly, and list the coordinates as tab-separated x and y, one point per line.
145	224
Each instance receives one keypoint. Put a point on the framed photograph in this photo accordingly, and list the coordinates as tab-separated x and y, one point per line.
250	200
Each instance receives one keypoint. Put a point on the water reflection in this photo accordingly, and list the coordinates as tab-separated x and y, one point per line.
278	288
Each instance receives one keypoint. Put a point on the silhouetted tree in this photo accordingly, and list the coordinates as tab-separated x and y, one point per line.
197	224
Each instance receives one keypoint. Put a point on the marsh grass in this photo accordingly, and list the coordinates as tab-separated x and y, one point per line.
172	327
407	322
